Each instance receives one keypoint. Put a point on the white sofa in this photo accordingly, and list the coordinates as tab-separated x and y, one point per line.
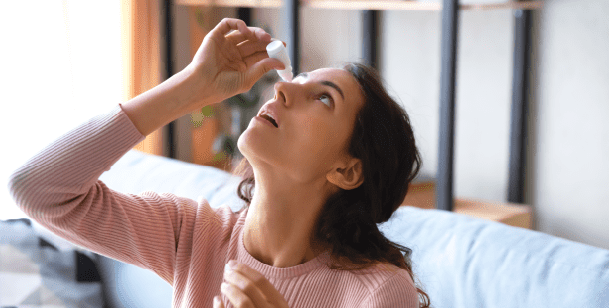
459	260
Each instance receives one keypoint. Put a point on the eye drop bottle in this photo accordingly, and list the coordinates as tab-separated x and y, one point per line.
276	50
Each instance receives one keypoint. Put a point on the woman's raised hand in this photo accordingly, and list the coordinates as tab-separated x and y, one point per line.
226	64
247	288
230	60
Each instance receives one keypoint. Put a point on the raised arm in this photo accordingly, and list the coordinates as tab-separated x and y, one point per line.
60	187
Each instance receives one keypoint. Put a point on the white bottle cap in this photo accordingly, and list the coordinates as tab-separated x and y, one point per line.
277	50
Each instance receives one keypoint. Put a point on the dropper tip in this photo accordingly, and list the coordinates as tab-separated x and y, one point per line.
286	76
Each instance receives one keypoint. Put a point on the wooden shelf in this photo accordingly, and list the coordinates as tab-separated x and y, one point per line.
413	5
422	195
366	4
372	5
512	5
235	3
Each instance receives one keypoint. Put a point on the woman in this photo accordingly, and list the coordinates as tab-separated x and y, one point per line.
330	165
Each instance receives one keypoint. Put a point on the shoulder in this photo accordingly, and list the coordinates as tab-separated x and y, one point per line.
373	276
389	286
221	217
195	217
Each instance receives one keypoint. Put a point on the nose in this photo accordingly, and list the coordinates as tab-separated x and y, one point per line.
285	91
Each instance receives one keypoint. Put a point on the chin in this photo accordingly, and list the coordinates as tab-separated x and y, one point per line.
242	146
258	150
252	145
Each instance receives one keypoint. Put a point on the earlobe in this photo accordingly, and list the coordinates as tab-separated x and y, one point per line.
347	178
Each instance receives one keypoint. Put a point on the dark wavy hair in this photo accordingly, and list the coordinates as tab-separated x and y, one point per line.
383	140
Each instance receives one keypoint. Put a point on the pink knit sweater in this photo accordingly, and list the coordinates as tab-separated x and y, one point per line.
184	242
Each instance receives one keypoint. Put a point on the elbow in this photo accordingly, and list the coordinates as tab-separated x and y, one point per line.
43	194
17	185
29	193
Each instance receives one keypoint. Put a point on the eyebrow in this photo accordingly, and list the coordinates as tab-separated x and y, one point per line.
325	83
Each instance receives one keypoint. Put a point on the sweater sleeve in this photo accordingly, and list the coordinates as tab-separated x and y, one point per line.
60	189
397	291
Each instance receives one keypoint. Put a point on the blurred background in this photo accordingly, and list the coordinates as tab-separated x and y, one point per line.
67	61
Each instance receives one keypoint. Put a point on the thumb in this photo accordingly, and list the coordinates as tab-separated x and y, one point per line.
262	67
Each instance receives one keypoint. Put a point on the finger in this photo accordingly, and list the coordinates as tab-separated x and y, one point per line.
225	26
259	68
248	48
236	37
226	49
228	24
258	34
218	302
272	295
253	59
262	35
235	296
247	287
259	56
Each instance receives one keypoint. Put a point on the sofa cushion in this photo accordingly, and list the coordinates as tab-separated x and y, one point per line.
464	261
137	172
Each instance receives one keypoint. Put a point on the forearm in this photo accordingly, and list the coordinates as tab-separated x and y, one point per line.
164	103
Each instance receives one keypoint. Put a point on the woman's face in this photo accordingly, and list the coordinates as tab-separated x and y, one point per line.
316	116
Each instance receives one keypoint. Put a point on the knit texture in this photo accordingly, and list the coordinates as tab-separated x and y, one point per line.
185	242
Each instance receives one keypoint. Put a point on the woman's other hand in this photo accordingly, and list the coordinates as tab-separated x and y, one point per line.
230	60
245	287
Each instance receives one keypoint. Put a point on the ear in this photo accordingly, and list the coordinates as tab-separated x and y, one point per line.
347	176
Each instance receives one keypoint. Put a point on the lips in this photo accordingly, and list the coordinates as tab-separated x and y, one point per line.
269	112
268	118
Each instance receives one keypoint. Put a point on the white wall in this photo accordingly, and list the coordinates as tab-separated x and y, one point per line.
568	170
331	36
571	154
411	65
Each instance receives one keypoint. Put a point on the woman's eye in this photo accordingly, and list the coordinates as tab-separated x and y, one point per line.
327	99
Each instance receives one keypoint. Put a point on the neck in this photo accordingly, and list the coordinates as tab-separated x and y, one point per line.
280	224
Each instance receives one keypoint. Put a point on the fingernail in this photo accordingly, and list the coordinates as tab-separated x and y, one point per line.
232	264
216	301
227	268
